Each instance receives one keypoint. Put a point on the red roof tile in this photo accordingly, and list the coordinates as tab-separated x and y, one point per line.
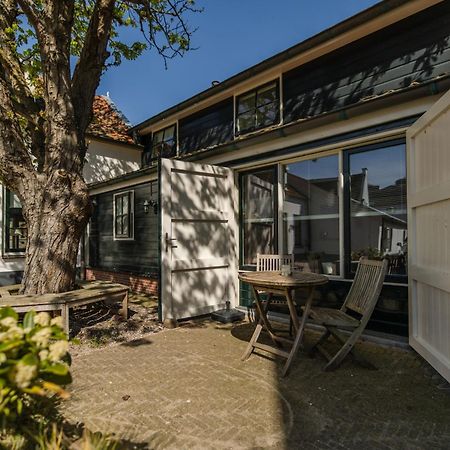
108	122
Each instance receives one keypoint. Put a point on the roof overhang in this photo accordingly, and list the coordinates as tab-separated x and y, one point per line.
95	137
363	24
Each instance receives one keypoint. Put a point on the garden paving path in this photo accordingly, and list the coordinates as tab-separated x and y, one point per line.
187	388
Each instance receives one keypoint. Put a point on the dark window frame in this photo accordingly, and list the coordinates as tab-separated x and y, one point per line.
346	154
124	218
174	143
255	108
9	211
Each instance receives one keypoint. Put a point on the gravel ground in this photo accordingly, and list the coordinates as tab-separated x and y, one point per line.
98	325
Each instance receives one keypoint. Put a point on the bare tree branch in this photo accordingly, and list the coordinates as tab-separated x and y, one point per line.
16	166
29	8
15	86
92	60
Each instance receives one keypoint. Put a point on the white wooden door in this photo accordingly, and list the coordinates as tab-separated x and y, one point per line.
199	239
428	160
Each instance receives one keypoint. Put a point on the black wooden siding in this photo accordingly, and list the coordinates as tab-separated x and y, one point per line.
211	126
414	50
139	255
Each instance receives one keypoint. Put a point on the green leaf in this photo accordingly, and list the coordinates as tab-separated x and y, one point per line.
2	372
6	346
7	311
30	360
28	320
56	369
58	334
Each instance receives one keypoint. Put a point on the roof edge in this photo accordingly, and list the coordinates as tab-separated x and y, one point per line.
332	32
114	141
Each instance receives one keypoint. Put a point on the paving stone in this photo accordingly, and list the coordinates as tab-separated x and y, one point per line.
188	388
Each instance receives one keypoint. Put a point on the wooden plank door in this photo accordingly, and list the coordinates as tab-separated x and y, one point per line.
199	239
428	161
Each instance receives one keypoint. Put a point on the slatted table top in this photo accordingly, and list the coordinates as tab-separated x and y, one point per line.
275	279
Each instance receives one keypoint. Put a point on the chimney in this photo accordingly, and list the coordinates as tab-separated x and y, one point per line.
365	187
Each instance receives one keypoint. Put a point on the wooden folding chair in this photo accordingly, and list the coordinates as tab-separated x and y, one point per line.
361	301
273	263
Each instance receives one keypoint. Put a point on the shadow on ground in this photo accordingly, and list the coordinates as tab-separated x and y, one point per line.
190	389
99	324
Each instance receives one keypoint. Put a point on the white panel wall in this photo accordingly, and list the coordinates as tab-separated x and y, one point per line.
429	235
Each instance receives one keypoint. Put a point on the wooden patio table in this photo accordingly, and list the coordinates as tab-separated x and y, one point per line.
275	283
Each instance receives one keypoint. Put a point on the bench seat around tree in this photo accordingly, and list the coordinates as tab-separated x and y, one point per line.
90	292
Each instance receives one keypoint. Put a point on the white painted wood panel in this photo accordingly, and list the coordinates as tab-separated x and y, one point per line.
428	161
199	239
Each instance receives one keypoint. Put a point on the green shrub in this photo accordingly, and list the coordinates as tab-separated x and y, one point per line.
34	367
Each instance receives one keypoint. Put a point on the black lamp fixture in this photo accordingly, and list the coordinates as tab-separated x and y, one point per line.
150	203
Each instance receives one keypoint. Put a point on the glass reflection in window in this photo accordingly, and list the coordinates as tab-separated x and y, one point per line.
311	214
258	108
16	231
164	143
378	223
258	214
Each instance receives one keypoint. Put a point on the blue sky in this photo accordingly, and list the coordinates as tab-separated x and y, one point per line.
232	35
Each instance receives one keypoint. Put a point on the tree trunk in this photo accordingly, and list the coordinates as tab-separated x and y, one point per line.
56	214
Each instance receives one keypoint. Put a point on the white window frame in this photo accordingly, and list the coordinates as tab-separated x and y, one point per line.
131	213
3	225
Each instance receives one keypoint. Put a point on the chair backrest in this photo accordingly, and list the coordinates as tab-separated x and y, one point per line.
366	287
273	263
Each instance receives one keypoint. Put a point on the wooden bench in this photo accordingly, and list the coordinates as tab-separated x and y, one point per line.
90	292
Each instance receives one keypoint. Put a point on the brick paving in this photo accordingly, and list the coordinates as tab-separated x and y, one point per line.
187	388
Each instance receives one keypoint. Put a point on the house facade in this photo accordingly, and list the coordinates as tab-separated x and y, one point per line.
306	153
111	153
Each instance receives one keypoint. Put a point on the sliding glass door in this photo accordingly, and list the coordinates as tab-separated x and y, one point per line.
327	224
376	219
311	214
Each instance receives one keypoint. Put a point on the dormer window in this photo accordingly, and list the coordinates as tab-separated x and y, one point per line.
164	143
258	108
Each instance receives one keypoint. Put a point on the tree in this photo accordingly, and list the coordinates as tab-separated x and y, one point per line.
46	107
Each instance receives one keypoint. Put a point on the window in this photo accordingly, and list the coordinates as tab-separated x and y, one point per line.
326	233
164	143
311	214
123	215
378	214
15	229
258	108
259	233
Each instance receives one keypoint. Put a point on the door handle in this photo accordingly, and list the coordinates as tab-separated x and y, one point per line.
169	242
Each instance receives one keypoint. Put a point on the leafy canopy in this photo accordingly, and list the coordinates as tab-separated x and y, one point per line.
161	25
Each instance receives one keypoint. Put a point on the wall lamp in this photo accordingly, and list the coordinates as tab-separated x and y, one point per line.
150	203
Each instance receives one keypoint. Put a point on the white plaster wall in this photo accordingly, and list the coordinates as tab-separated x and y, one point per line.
106	160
